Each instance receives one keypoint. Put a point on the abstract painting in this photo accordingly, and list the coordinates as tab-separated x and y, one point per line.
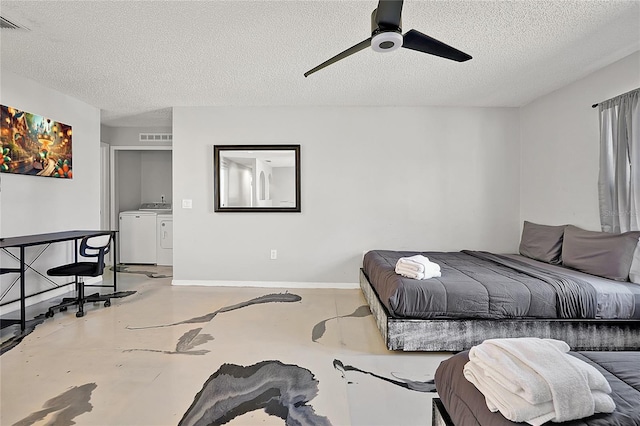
34	145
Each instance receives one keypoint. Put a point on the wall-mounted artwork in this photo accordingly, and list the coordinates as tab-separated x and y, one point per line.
34	145
256	178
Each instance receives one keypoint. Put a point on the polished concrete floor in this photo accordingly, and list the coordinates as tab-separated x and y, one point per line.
171	355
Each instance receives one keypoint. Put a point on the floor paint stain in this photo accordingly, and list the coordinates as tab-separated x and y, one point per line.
30	326
418	386
268	298
17	337
281	390
186	343
68	405
320	328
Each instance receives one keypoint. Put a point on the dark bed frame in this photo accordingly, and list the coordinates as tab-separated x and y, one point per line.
440	417
455	335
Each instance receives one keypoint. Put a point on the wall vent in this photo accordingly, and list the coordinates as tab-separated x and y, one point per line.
6	24
156	137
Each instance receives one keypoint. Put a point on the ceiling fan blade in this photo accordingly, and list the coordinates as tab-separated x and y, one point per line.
350	51
415	40
388	14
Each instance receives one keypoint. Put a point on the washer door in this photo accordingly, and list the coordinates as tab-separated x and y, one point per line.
137	237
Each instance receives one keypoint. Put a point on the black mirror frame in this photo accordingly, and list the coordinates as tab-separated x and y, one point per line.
216	178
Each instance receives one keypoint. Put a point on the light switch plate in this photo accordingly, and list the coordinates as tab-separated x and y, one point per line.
187	204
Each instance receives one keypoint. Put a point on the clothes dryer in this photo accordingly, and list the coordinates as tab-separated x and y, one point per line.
164	239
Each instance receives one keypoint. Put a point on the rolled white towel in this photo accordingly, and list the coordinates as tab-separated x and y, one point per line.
417	259
410	265
410	273
417	267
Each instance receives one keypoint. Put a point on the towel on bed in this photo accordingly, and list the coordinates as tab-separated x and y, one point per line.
534	380
417	267
416	275
516	408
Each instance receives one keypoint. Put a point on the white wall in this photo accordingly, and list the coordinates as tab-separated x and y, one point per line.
261	173
155	169
128	180
560	147
31	204
372	178
123	136
237	186
141	175
283	188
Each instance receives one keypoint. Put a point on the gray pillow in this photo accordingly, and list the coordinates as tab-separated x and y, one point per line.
542	242
599	253
634	271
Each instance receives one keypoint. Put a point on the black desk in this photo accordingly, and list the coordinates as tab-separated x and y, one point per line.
46	239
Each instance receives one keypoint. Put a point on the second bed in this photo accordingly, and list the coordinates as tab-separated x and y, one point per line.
483	295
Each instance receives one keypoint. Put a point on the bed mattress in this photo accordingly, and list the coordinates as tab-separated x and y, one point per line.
466	406
473	285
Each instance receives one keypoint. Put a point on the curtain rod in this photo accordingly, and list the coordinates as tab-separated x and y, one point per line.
595	105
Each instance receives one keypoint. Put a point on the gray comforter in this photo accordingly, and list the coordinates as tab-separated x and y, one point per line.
480	285
575	298
466	405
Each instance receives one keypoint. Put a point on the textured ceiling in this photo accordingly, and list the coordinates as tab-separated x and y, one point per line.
136	59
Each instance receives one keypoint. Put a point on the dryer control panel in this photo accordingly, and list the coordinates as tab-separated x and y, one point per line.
155	206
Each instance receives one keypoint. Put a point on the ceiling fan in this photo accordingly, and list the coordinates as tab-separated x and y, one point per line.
386	36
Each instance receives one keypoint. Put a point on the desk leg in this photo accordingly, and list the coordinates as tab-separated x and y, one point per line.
23	315
115	262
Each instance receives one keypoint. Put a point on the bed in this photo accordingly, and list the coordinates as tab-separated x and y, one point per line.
483	295
459	403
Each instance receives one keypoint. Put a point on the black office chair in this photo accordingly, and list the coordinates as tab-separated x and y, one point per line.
89	247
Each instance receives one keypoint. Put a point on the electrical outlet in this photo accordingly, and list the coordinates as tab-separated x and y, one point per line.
187	204
274	254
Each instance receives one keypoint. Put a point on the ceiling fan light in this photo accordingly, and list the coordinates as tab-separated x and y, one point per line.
386	41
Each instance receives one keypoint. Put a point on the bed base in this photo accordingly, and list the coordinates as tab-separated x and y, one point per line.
455	335
440	417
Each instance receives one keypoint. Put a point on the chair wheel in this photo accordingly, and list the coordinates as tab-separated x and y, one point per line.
64	308
79	314
107	304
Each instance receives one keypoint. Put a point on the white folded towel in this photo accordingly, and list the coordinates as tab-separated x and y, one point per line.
410	273
515	365
410	265
422	262
417	267
535	380
516	408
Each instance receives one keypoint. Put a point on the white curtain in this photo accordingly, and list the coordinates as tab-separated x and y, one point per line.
619	179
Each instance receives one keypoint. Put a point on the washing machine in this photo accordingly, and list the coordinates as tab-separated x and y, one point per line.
137	237
140	236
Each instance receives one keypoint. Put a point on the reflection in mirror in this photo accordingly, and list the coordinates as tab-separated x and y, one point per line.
257	178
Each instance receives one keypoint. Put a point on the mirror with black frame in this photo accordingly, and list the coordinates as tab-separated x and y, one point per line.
256	178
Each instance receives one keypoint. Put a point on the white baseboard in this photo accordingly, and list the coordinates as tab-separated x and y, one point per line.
264	284
43	297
